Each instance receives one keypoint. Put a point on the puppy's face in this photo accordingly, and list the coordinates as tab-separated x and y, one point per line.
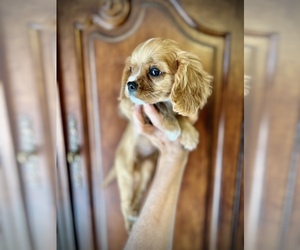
158	70
149	73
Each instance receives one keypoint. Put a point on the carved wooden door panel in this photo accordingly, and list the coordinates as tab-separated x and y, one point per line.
94	41
27	79
272	125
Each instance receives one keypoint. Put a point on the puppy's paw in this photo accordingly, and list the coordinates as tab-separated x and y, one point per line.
189	138
173	134
171	129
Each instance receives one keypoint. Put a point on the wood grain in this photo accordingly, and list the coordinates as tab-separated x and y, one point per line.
27	73
278	106
104	52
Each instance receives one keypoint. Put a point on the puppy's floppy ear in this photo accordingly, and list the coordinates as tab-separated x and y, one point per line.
125	76
192	85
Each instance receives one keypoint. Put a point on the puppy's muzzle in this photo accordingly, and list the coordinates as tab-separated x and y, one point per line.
132	87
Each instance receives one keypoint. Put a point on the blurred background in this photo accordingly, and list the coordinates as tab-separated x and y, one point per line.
60	71
272	128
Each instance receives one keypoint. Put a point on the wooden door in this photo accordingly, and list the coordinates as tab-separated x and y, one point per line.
272	125
94	40
27	85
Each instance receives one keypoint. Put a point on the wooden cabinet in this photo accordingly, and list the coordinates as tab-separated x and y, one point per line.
27	79
93	44
60	76
272	125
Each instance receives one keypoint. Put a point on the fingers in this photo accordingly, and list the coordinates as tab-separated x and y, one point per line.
139	121
153	115
151	132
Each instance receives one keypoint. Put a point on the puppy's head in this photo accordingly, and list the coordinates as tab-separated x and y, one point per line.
158	71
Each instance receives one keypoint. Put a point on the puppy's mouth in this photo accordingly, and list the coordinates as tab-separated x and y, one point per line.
131	91
136	100
138	96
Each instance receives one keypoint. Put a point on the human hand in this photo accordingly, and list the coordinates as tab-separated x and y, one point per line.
155	132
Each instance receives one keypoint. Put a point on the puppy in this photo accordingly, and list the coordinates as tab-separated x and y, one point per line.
158	72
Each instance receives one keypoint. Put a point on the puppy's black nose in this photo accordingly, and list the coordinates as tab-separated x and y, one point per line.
132	86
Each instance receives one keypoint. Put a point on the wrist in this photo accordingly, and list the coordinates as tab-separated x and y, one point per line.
173	152
173	157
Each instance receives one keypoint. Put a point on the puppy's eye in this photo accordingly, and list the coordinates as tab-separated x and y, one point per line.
130	69
154	72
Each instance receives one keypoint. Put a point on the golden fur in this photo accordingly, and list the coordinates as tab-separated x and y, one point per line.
175	82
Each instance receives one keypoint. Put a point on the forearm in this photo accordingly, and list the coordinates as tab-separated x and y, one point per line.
154	228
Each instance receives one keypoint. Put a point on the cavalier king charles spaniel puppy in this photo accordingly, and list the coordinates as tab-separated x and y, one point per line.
158	72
